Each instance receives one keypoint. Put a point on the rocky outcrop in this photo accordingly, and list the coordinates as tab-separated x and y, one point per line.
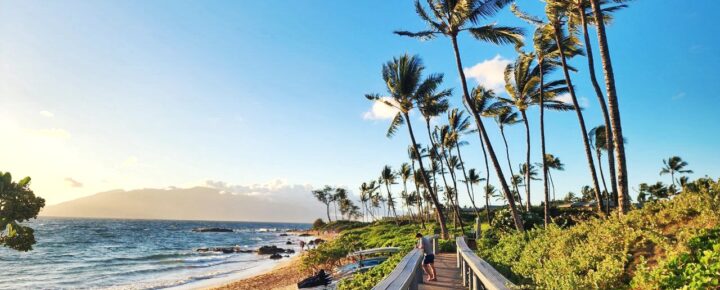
224	250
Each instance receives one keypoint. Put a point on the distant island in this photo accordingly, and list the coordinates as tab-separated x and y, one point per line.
196	203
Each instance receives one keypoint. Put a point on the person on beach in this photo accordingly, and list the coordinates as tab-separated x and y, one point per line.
429	261
302	245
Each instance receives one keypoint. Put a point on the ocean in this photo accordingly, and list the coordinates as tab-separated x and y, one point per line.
138	254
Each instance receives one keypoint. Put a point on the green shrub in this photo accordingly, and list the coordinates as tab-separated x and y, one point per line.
697	269
607	253
318	224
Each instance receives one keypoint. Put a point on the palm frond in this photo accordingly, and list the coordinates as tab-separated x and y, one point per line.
397	121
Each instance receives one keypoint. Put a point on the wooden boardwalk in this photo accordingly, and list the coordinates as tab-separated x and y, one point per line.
448	275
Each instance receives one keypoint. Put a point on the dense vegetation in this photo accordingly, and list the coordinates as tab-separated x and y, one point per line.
664	244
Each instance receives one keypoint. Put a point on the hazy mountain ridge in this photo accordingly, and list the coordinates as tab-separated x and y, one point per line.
197	203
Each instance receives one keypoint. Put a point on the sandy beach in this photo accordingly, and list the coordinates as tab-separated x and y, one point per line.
284	275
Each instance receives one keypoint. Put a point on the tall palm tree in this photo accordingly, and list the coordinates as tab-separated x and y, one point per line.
402	76
340	196
460	125
490	191
556	18
522	83
613	107
450	17
505	116
578	16
673	165
388	178
405	172
417	181
444	139
482	102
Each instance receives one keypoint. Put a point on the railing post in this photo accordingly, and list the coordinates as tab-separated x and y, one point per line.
476	281
477	228
464	272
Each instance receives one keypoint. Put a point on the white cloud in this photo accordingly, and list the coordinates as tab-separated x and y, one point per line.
582	101
381	111
489	73
47	114
73	183
275	190
53	133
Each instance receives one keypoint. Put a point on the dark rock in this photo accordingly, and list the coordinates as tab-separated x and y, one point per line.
275	256
212	230
304	235
290	251
224	250
283	235
269	250
288	243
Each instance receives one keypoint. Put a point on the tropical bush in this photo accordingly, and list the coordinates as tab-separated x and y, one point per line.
318	224
607	253
18	203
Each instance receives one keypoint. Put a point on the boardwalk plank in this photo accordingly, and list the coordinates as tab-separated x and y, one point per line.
448	275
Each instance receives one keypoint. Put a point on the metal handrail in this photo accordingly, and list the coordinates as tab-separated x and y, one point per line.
408	274
476	273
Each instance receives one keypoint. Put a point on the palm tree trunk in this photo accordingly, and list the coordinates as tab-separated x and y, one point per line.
458	211
391	202
327	210
578	110
527	161
613	108
471	194
486	140
433	195
546	207
507	154
603	106
419	204
602	177
448	192
487	205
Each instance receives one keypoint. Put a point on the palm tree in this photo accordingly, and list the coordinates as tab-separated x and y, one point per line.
325	196
553	162
673	165
417	181
505	116
367	191
473	178
387	176
452	17
443	139
402	76
578	13
460	125
490	191
613	107
481	101
556	17
599	142
522	83
404	172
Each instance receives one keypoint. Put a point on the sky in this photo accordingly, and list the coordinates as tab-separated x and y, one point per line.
101	95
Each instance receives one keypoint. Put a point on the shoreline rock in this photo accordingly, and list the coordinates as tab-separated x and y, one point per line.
212	230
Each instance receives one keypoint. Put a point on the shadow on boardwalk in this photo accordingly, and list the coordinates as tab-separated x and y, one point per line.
448	275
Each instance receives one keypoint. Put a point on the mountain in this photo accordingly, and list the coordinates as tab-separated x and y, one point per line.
197	203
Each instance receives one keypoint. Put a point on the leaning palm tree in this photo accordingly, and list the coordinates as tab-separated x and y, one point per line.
613	107
556	17
402	76
482	102
367	191
490	191
578	16
388	178
554	163
449	18
673	165
325	196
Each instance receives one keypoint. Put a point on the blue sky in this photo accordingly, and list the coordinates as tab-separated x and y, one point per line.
98	95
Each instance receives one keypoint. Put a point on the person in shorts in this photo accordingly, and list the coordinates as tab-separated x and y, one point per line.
429	261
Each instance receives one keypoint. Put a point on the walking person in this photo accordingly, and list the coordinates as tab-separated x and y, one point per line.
429	261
